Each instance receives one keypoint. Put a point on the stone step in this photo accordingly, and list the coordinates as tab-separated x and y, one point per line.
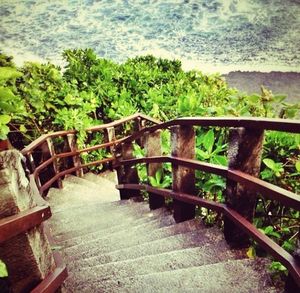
231	276
108	220
73	197
98	186
173	260
62	200
94	209
107	175
143	223
187	234
167	244
72	189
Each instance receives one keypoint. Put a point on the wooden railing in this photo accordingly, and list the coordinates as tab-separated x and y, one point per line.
43	161
244	154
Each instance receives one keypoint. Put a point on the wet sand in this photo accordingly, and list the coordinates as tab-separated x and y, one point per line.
287	83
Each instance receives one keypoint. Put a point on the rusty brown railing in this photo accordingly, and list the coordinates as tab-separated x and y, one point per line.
48	163
246	140
275	193
245	156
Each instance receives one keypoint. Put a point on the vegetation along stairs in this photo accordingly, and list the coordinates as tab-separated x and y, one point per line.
112	245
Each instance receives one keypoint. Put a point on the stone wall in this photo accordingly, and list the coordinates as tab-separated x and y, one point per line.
28	256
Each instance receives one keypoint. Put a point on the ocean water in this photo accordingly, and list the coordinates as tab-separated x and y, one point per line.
211	35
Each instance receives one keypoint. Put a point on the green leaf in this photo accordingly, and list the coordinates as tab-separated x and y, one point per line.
277	266
4	119
208	141
221	160
253	99
279	98
251	253
203	155
7	73
153	181
23	128
6	107
288	246
158	175
297	166
267	230
6	94
3	270
269	163
4	130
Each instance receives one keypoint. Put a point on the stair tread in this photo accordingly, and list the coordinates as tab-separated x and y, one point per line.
107	175
171	237
164	226
105	221
140	223
96	211
242	275
80	188
171	260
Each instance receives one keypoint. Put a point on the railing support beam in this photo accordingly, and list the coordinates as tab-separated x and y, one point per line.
183	146
127	174
153	148
244	154
139	125
55	162
76	159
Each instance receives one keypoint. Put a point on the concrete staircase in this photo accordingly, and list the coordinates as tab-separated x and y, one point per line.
121	246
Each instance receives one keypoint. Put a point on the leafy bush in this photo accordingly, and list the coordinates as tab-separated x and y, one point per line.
11	104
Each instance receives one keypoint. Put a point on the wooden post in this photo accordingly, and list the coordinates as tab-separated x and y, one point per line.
127	174
244	154
76	159
31	166
30	163
153	148
139	125
110	136
55	162
28	256
183	146
42	154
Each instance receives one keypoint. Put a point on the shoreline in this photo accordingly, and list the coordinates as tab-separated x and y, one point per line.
286	83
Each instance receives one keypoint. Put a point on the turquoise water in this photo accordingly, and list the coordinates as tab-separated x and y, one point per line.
221	35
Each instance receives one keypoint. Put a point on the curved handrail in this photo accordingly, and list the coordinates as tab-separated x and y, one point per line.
29	148
288	125
269	190
71	170
268	244
38	169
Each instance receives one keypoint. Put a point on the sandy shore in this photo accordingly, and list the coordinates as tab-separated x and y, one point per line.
287	83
